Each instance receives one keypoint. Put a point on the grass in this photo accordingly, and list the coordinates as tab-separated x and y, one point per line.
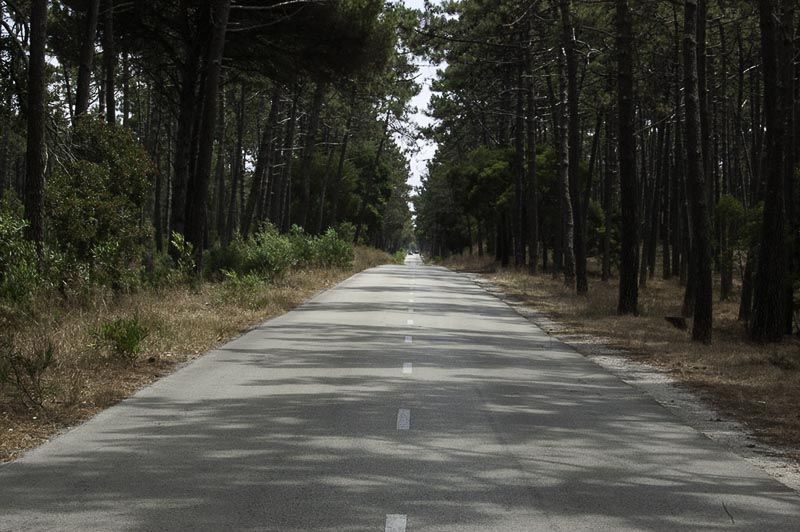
181	322
756	384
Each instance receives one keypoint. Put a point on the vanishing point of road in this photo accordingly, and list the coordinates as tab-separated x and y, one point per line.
406	398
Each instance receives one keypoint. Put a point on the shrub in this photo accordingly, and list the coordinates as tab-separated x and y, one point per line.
346	231
94	204
303	247
330	251
19	277
268	253
185	256
124	337
399	257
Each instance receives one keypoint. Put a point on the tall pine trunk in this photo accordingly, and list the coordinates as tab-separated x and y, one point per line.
769	316
197	195
109	62
629	250
86	57
35	148
696	181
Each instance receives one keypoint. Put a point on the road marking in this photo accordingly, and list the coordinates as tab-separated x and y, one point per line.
407	368
395	523
403	419
408	340
409	322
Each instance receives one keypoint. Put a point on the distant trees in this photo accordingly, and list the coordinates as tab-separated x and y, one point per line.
664	141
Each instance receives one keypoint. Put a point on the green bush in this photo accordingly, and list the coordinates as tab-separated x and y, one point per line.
399	257
346	231
330	251
124	337
268	254
303	247
94	204
19	277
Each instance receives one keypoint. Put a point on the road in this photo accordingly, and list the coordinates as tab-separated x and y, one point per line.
406	398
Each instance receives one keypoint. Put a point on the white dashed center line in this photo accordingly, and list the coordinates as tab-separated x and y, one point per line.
403	419
407	368
395	523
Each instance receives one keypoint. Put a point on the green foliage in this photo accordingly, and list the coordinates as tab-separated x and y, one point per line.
330	251
268	254
399	257
19	277
730	210
302	247
346	231
184	252
124	336
94	204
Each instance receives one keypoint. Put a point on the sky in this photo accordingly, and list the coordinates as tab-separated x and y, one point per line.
425	149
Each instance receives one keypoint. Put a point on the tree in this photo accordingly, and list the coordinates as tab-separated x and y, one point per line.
86	57
198	189
701	245
37	114
768	323
629	253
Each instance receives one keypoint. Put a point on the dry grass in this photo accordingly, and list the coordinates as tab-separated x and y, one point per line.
757	384
182	322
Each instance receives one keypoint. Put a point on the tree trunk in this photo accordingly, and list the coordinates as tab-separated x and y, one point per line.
37	109
769	316
608	197
574	152
337	183
533	180
109	62
309	150
263	162
567	213
198	193
697	186
629	251
86	57
220	171
520	236
237	169
285	196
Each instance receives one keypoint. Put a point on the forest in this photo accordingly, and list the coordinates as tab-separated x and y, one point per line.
135	132
160	159
622	140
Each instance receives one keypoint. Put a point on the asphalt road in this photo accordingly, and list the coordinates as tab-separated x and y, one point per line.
404	399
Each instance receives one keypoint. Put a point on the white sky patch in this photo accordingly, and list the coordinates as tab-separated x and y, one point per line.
425	149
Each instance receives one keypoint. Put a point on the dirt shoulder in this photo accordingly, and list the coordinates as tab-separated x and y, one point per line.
740	394
182	323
